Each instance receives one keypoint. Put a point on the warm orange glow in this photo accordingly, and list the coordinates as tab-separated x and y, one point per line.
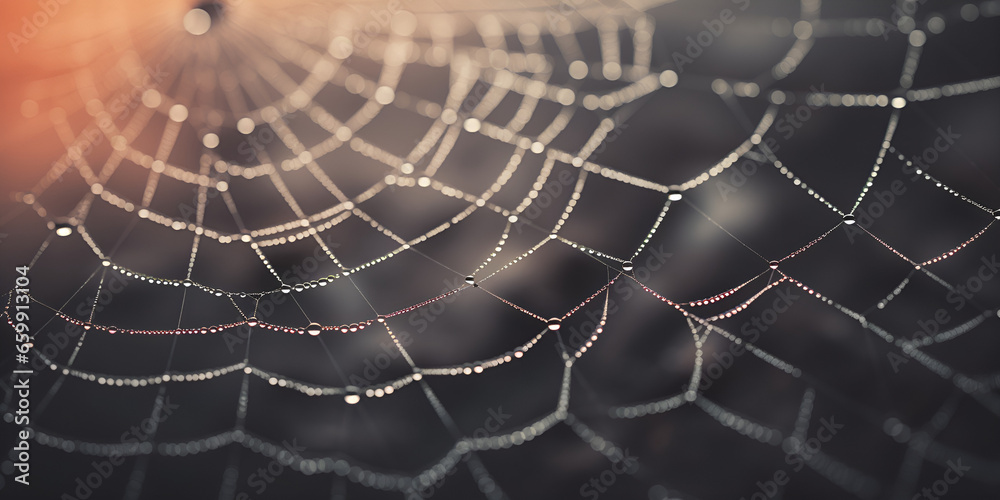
53	47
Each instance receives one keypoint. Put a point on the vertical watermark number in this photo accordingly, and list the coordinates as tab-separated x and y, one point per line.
22	328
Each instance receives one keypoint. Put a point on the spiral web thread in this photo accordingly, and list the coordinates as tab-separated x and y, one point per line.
526	75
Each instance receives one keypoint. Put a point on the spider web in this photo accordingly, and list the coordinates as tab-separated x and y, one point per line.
465	204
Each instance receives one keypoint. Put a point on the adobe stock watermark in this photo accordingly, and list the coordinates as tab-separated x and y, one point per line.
472	99
380	20
558	17
257	140
114	283
375	365
741	173
260	479
714	28
298	273
954	473
787	125
189	211
881	200
751	330
422	317
622	291
797	453
549	192
795	119
901	20
607	478
118	108
137	435
557	184
612	136
945	139
31	25
958	297
491	425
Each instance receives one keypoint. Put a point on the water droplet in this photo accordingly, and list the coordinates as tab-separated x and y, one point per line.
773	264
252	321
314	329
627	266
63	229
286	288
381	318
86	326
470	279
472	125
188	282
199	20
674	196
245	125
554	323
352	399
996	214
849	219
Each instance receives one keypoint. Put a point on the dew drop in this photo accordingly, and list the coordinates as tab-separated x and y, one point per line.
773	264
63	229
252	321
470	279
198	21
627	266
849	219
554	323
286	288
352	399
314	329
